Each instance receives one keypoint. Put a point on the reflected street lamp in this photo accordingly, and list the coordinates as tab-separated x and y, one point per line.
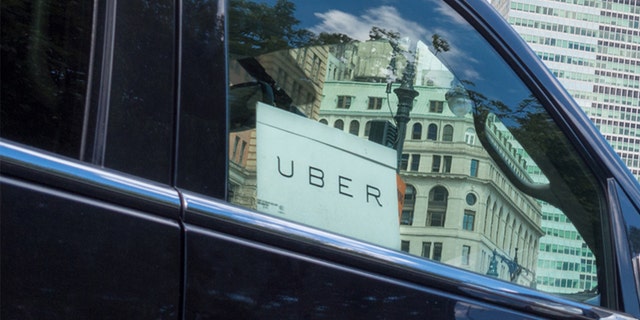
405	93
514	267
458	100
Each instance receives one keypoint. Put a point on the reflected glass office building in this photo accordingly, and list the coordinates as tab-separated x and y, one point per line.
593	48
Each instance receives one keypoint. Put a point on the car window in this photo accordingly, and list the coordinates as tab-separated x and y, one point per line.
45	68
401	126
77	82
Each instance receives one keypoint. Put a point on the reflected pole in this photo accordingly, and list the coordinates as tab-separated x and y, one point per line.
406	94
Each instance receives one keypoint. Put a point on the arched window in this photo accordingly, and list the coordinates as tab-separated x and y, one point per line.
416	134
354	127
520	241
339	124
470	136
500	227
432	132
367	128
494	219
324	121
487	216
447	133
505	237
407	208
514	236
437	208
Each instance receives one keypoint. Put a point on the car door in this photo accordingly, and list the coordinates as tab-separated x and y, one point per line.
508	205
80	240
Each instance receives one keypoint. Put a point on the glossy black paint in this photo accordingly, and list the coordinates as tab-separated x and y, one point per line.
230	277
268	235
80	242
627	228
202	133
68	256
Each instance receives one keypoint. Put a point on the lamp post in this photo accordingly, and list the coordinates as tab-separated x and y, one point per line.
514	267
405	93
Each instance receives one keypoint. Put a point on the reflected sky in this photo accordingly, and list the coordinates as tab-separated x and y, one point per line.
470	58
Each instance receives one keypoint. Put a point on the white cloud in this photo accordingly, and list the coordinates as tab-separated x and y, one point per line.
357	27
388	17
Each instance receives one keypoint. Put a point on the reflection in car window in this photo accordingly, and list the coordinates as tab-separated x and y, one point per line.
45	66
480	176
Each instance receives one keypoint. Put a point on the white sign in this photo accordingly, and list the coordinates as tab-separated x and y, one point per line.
323	177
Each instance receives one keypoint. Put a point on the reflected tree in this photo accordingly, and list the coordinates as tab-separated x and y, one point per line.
257	28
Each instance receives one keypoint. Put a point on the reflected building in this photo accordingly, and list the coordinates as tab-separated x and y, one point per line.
458	206
593	48
294	78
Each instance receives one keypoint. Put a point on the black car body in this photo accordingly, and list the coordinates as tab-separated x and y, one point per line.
117	170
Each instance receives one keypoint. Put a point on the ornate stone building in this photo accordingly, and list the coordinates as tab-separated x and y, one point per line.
458	206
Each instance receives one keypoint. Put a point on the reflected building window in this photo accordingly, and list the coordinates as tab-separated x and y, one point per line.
470	136
404	245
354	127
468	220
339	124
436	106
344	102
375	103
471	199
447	133
466	254
404	162
435	163
446	168
437	208
415	162
416	133
435	254
437	251
432	132
409	203
426	249
473	170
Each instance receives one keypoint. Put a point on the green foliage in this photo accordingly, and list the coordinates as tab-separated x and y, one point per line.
257	28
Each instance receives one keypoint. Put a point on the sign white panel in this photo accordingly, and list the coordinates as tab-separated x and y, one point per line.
323	177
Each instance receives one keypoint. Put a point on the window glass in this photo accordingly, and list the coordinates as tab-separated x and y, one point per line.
45	72
432	132
406	217
471	199
354	127
88	89
447	133
417	131
431	67
435	163
415	162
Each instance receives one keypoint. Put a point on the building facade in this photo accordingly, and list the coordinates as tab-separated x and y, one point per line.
458	207
593	48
